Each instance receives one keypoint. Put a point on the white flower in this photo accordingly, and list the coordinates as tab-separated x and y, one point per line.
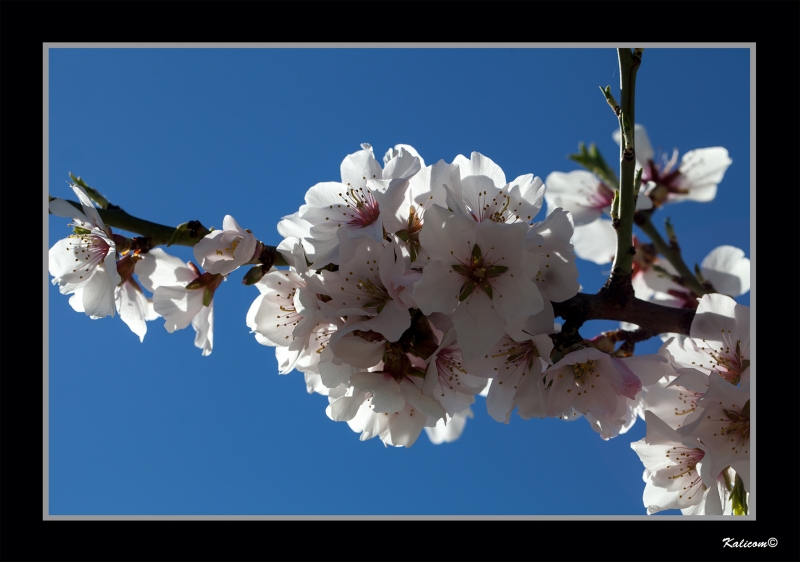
479	272
725	267
483	194
596	385
510	363
587	199
446	378
695	179
360	286
284	315
403	204
348	205
377	404
674	470
167	277
549	240
721	332
223	251
723	428
85	264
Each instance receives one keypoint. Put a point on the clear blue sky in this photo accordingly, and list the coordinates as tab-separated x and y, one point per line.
173	135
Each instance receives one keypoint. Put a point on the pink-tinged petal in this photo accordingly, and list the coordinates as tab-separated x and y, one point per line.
372	231
575	192
405	428
723	428
478	325
595	242
728	270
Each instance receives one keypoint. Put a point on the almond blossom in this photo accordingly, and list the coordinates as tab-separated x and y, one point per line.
479	273
84	264
181	294
725	267
348	205
723	428
223	251
694	179
676	471
719	340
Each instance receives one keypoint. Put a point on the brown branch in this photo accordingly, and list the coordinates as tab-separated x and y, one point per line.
650	317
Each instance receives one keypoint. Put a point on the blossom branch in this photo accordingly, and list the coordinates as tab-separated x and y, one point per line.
188	234
671	251
650	317
623	259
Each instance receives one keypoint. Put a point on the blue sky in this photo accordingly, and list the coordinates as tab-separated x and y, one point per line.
173	135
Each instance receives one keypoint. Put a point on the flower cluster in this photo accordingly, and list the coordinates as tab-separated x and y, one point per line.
697	449
664	181
89	266
413	288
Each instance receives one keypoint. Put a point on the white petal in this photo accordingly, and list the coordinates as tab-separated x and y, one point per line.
157	268
203	323
595	242
728	270
132	308
478	325
98	293
701	171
